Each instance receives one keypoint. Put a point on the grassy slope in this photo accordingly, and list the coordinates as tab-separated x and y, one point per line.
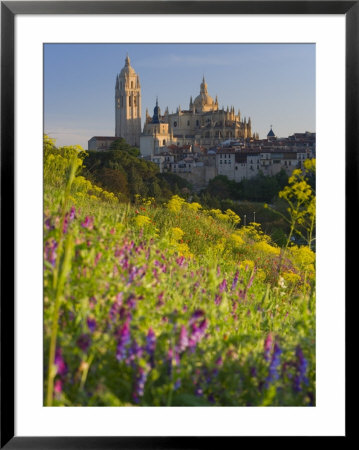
171	306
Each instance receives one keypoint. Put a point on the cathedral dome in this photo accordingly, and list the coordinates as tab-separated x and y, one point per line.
127	70
204	101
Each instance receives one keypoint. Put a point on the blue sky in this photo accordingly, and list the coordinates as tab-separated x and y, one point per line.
274	84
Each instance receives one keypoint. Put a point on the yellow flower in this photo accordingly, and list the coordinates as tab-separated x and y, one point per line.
175	204
142	220
291	278
237	240
194	206
247	264
265	248
176	233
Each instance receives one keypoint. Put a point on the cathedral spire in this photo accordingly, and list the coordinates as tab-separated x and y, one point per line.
127	60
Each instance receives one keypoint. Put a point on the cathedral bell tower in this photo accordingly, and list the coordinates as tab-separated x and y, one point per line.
128	105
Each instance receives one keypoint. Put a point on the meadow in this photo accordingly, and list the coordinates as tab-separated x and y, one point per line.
169	304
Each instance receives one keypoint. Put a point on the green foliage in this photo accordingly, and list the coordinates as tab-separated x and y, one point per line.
260	188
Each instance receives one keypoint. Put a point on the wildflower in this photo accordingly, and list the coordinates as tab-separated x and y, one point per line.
151	345
197	333
134	352
196	315
48	225
88	222
141	220
83	342
58	386
160	300
140	381
69	217
91	323
60	362
268	346
273	374
97	258
223	286
235	280
51	251
301	366
123	341
92	302
218	299
183	339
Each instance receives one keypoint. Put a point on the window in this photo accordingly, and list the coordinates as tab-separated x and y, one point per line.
131	84
175	124
188	123
164	142
129	101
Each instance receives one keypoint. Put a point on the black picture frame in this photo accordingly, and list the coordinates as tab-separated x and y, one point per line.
8	12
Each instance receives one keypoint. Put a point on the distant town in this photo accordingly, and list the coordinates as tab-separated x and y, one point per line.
203	141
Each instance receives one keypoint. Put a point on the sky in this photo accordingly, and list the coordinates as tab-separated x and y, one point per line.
274	84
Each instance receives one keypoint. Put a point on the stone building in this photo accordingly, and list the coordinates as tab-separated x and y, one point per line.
156	136
204	123
128	105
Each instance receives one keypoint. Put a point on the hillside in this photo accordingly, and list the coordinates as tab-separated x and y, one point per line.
168	304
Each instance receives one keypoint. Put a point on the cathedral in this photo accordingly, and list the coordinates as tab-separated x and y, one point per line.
202	124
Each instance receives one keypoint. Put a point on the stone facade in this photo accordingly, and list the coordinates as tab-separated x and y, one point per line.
128	105
204	123
156	136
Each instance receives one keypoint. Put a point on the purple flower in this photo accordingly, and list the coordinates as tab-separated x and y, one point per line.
124	339
131	301
134	352
91	323
88	222
235	280
268	346
301	368
50	251
223	286
218	299
48	224
83	342
140	381
273	374
197	333
69	217
183	339
250	282
60	362
180	260
198	314
151	345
